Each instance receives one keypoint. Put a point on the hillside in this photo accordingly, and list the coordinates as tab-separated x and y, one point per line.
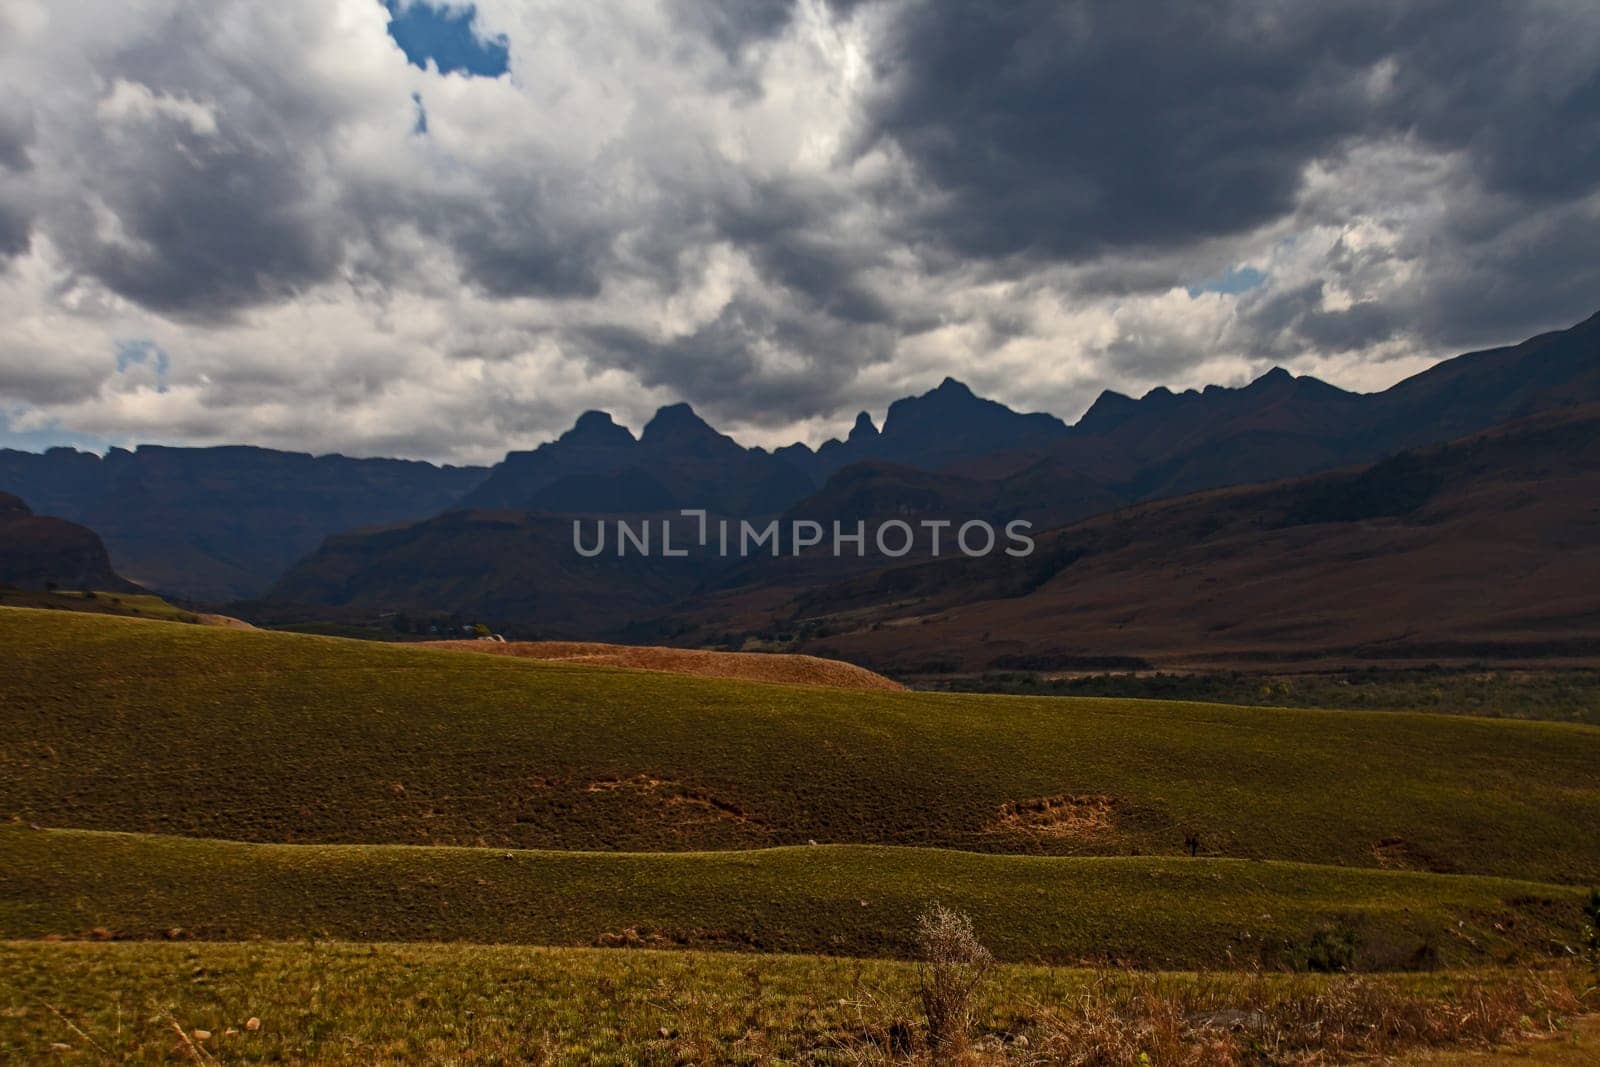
749	666
514	570
839	899
117	724
1484	549
40	552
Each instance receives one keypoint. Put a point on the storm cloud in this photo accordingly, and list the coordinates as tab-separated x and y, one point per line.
780	212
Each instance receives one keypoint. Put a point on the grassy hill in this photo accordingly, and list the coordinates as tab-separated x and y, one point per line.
120	724
844	899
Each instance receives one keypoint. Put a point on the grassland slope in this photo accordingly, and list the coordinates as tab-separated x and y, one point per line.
858	900
121	724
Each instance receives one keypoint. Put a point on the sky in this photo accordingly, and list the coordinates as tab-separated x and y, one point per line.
441	231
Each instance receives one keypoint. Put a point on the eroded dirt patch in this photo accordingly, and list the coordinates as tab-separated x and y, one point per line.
1075	815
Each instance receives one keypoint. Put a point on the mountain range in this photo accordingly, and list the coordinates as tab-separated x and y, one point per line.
359	536
217	524
506	555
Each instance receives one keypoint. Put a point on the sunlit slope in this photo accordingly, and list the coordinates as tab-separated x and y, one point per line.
130	725
848	899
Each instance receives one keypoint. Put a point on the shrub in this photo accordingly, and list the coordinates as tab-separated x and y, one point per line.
952	968
1330	951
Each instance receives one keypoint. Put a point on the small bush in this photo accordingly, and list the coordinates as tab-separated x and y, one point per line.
952	968
1331	950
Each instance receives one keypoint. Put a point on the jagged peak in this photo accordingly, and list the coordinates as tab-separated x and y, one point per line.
864	428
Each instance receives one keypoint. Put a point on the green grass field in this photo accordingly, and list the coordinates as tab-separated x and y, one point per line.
383	1004
140	605
207	825
121	724
843	899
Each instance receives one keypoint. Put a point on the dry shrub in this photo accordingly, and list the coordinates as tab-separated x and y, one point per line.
952	967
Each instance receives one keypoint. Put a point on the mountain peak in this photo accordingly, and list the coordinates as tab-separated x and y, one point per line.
864	429
676	422
953	388
1109	408
1275	376
597	428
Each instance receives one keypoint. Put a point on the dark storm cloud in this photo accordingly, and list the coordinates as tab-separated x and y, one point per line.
16	227
209	223
723	364
1064	130
16	135
1291	321
791	231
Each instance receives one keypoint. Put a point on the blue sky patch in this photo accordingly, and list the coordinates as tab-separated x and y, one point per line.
132	354
447	37
1233	281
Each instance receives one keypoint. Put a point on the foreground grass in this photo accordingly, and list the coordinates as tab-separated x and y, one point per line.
370	1004
848	900
122	724
1577	1045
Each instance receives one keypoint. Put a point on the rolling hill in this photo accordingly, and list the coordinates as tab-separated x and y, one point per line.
838	899
115	724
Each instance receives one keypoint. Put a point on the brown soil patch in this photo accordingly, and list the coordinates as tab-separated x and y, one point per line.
1396	853
1058	816
747	666
674	801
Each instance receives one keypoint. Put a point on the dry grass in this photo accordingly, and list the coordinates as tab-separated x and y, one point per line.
1141	1020
747	666
342	1005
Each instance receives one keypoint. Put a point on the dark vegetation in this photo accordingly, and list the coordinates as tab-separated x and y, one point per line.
1558	696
